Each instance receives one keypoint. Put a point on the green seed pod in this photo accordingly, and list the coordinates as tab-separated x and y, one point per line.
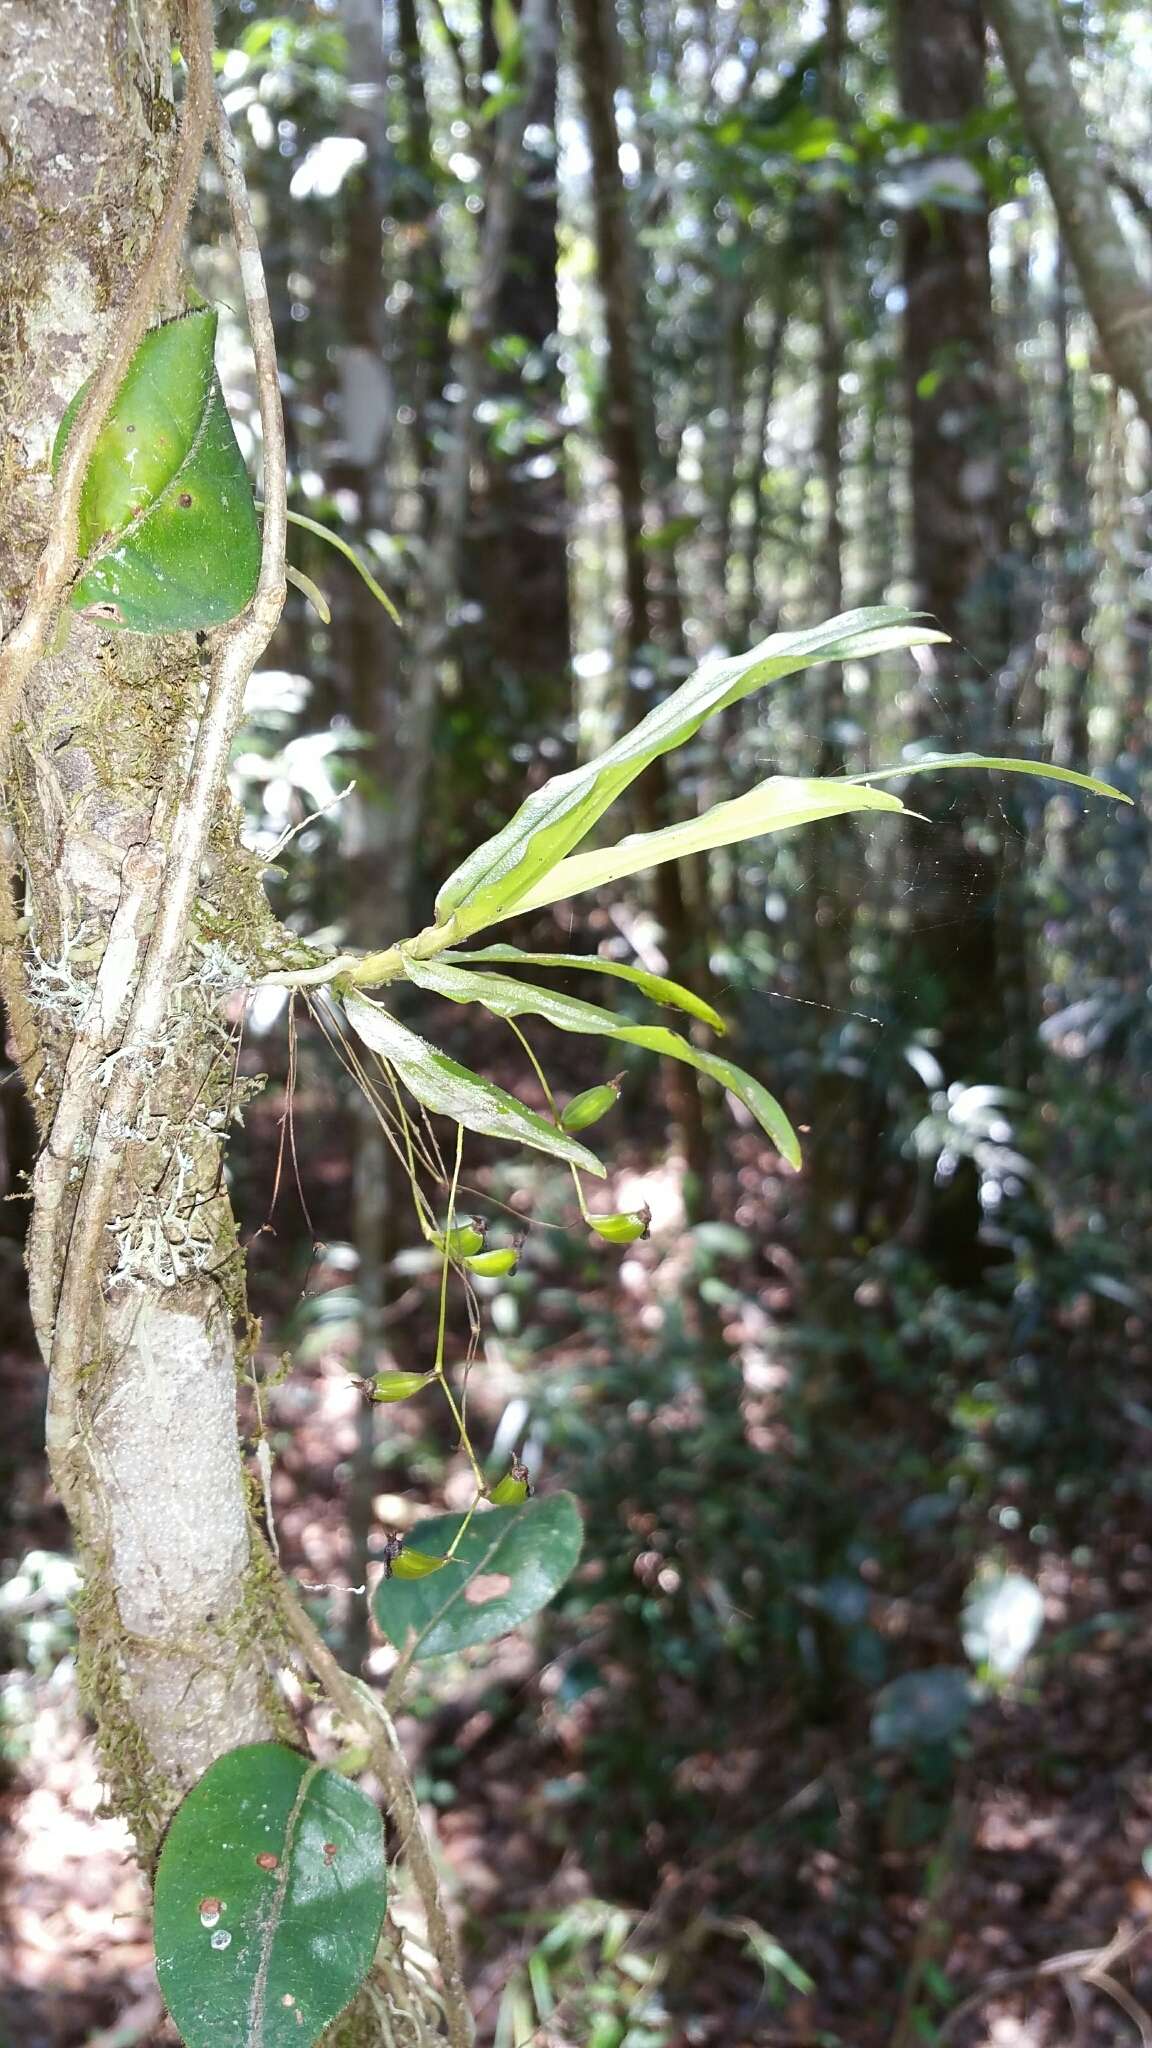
625	1227
396	1386
494	1265
464	1241
591	1106
416	1564
513	1488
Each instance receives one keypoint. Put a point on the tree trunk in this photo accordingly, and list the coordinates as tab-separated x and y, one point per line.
1119	300
515	657
832	226
949	344
366	661
176	1653
950	370
653	626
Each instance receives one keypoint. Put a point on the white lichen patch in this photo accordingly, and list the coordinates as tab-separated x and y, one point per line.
156	1246
55	987
220	972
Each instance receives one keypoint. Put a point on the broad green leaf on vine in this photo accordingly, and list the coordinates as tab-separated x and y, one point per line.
556	817
927	764
656	987
450	1090
168	531
507	998
778	804
270	1897
510	1563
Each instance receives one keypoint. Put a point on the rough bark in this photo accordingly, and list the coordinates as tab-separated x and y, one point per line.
171	1644
1078	177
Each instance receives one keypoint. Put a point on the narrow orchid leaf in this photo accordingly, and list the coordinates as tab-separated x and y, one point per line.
777	805
656	987
453	1091
507	998
556	817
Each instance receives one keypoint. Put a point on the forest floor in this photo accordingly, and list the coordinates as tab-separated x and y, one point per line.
672	1852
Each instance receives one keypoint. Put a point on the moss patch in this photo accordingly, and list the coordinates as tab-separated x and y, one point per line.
137	1789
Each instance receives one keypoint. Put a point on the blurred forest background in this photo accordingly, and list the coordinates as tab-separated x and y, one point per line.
613	339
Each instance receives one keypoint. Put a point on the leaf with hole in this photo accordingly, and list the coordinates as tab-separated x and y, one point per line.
168	532
507	998
510	1563
450	1090
270	1897
777	805
556	817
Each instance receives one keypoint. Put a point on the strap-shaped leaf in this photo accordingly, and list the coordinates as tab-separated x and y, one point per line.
776	805
510	1563
450	1090
927	764
167	520
270	1897
506	998
656	987
557	817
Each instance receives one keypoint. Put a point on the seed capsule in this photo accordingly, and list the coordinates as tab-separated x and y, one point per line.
589	1107
464	1240
513	1488
415	1564
625	1227
495	1264
395	1386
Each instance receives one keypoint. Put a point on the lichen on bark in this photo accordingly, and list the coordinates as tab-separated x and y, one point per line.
177	1660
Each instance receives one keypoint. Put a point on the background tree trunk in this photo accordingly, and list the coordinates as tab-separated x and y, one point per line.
653	625
950	371
1031	43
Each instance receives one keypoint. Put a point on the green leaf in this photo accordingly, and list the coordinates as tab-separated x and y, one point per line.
510	1563
556	817
270	1897
926	764
449	1090
776	805
507	33
506	998
167	523
655	986
342	547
